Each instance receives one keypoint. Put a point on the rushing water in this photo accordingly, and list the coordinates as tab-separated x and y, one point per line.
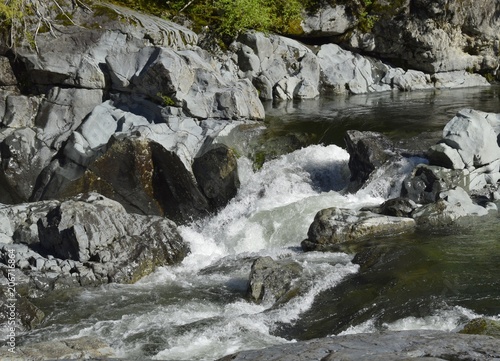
199	310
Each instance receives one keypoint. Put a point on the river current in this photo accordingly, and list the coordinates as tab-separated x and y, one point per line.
199	309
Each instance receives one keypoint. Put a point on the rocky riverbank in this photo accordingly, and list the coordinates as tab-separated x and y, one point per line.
115	127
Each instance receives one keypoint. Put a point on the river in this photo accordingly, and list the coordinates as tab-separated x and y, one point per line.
199	309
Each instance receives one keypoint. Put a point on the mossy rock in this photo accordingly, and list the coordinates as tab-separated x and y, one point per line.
482	326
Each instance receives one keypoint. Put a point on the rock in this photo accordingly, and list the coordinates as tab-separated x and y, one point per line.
452	205
26	315
7	76
397	345
482	326
279	67
426	182
368	151
86	347
471	135
273	281
458	79
86	45
343	71
23	156
395	207
89	240
336	225
407	80
63	111
140	174
20	110
216	172
188	78
327	20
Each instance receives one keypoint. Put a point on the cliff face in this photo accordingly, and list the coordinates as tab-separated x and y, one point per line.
431	36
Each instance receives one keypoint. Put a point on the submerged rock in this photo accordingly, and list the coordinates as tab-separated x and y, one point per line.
273	281
400	345
482	326
336	225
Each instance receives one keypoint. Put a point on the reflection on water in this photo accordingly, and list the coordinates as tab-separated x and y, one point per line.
397	114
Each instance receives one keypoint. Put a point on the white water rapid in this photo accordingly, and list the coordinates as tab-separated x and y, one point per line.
199	309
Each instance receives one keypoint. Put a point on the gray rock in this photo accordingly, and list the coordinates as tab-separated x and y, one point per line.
328	20
20	111
7	77
89	240
368	151
63	111
396	207
403	345
82	348
451	206
336	225
473	138
279	67
273	281
216	172
426	182
23	156
458	79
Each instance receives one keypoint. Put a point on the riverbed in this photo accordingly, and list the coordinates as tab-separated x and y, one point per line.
297	165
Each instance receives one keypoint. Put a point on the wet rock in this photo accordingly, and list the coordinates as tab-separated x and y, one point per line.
16	311
273	281
402	345
336	225
426	182
368	151
451	206
82	348
140	174
482	326
216	172
396	207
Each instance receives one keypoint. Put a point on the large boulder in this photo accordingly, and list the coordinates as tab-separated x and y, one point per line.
332	226
345	72
470	139
86	240
137	172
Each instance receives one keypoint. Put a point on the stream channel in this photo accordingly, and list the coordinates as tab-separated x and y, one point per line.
199	310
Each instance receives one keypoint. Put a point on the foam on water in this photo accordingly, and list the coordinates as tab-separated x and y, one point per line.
444	319
198	310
